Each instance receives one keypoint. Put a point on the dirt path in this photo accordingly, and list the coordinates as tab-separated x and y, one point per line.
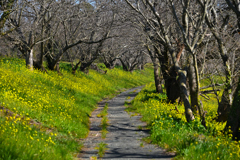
124	137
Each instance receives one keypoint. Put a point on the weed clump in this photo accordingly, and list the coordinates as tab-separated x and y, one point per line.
170	130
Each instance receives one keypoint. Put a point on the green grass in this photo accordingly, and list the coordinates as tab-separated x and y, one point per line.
104	111
170	130
104	121
102	147
49	113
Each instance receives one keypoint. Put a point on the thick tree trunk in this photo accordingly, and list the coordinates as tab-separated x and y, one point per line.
184	95
141	67
50	62
125	67
107	64
169	76
226	100
29	59
172	86
224	107
110	64
233	122
132	66
156	76
38	64
85	67
193	86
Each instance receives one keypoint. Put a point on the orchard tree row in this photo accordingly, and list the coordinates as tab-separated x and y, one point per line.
80	32
186	41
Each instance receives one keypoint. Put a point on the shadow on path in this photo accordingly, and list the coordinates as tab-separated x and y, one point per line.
124	136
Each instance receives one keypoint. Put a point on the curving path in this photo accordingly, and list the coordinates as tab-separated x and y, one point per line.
124	137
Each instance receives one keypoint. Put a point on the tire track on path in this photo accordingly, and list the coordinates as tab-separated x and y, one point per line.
124	137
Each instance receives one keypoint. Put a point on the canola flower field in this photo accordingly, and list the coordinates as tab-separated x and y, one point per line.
45	115
170	130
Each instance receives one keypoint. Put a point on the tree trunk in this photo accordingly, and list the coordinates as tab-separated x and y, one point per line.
29	59
125	67
156	68
141	67
110	64
40	62
172	86
57	67
107	64
74	68
193	85
156	76
226	100
85	67
50	62
169	76
233	122
224	107
184	95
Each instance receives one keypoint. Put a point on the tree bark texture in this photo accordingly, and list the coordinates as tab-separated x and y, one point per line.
172	86
110	65
29	59
226	99
170	77
50	62
156	76
85	67
184	95
6	13
155	60
193	85
233	122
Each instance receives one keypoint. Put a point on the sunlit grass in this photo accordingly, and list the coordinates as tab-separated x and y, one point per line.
169	128
102	147
50	112
104	121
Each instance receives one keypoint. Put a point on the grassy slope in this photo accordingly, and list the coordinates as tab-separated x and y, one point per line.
50	111
170	130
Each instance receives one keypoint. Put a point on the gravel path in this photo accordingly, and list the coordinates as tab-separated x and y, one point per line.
124	134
